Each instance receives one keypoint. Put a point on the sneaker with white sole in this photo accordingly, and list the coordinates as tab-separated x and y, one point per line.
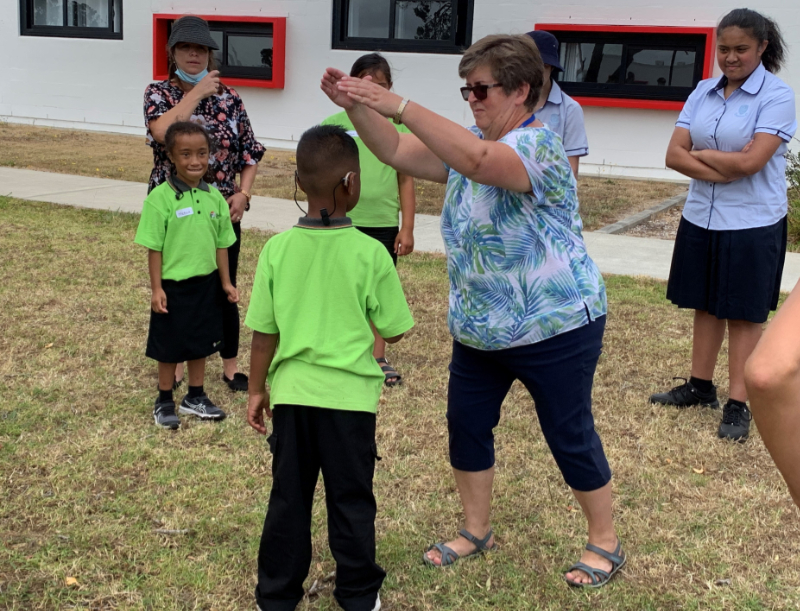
202	407
377	606
164	415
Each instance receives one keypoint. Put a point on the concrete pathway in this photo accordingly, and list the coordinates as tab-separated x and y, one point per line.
614	254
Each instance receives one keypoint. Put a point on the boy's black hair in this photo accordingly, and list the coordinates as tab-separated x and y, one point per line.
761	28
184	128
325	154
371	63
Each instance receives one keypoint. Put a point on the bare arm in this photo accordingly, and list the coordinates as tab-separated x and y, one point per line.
237	203
404	242
393	340
747	162
574	163
262	351
485	162
186	107
680	159
225	275
158	299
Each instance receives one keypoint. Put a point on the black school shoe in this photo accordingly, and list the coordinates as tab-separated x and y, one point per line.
238	383
735	423
164	415
202	407
686	395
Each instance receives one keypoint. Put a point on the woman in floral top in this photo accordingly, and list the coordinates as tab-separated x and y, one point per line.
194	93
526	301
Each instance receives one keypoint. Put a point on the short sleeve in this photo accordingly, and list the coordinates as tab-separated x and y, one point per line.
225	235
685	118
541	152
152	228
156	102
261	311
777	116
576	144
251	150
387	307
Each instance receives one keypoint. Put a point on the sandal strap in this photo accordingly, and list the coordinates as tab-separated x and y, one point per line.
481	544
613	557
596	575
448	555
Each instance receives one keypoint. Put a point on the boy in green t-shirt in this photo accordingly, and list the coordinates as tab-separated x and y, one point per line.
318	287
186	226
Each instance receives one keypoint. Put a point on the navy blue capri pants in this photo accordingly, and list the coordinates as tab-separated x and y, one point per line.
558	372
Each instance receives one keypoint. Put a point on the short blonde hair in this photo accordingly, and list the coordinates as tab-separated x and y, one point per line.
513	60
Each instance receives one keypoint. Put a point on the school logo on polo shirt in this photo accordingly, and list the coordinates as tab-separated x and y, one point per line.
743	110
555	119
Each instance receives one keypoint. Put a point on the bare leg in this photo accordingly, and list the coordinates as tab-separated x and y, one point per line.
709	331
197	372
166	375
230	367
179	372
743	337
596	507
475	489
772	375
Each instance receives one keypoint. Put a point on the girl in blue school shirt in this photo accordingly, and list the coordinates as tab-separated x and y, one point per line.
731	139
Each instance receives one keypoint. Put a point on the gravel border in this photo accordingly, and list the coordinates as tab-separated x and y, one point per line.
643	216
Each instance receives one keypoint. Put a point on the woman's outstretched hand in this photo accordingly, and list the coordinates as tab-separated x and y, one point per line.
329	85
345	91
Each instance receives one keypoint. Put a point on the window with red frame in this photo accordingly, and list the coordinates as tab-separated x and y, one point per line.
651	67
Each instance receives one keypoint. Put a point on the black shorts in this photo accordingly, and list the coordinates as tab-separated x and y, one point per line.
732	274
192	328
384	235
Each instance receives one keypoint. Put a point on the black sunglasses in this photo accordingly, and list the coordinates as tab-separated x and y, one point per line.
480	91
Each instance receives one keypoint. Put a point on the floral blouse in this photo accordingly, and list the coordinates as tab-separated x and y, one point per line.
226	121
518	266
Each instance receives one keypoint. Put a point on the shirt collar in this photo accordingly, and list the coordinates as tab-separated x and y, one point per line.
339	222
556	95
753	83
181	186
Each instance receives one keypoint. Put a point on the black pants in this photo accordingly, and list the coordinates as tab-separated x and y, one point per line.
230	313
304	441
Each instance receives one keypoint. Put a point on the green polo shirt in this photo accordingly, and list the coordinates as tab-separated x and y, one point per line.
187	231
379	204
320	288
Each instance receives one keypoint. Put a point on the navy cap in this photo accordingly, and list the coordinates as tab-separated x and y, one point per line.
548	47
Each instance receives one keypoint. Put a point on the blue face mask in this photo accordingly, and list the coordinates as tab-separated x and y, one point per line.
192	79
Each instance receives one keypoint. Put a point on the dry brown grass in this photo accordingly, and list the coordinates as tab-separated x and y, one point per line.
603	201
86	479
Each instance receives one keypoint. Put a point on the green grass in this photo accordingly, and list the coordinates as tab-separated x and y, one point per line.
86	479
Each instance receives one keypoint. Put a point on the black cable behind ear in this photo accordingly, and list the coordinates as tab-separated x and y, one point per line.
296	178
326	219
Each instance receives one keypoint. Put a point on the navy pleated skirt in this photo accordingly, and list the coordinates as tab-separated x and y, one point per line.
732	274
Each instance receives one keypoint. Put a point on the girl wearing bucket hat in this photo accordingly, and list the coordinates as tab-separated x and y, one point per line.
193	92
559	112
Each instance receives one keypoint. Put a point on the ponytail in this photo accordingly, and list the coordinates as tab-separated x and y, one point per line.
762	29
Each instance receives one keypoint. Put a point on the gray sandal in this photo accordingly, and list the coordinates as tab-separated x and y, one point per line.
599	576
449	557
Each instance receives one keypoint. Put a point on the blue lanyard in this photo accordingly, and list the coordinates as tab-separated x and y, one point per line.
528	122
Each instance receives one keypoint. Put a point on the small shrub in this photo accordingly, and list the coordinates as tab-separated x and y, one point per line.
793	180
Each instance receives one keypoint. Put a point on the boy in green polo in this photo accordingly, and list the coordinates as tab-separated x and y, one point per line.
186	227
318	287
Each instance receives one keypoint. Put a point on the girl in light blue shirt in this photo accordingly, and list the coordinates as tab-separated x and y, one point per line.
731	139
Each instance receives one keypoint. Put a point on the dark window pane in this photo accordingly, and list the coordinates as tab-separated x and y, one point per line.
424	20
218	38
250	51
87	13
368	19
591	63
48	12
660	67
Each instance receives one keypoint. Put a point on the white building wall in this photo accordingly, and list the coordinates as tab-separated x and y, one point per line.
98	84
